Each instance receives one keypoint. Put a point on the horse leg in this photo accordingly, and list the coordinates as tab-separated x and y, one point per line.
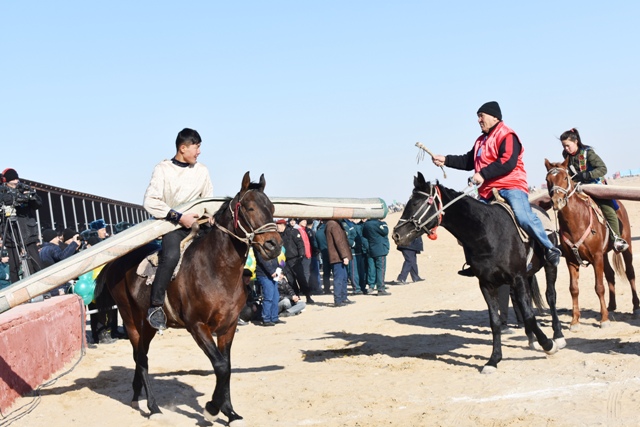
551	274
574	275
631	277
530	323
490	294
220	357
598	266
141	377
610	276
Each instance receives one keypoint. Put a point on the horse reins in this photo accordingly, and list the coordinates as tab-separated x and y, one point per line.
236	212
417	219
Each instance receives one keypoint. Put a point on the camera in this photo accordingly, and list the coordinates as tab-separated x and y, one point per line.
17	196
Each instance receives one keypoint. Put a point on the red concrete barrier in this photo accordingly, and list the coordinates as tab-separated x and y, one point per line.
36	341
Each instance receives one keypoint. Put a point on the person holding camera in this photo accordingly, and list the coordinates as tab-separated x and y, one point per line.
20	227
51	251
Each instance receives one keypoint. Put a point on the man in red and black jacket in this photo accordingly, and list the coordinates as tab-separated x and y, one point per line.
496	159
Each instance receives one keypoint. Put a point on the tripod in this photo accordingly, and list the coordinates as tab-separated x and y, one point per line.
11	229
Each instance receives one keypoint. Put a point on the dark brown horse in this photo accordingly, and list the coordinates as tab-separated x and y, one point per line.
585	240
206	296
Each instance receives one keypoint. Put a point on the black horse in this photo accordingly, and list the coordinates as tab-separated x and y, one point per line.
207	294
497	255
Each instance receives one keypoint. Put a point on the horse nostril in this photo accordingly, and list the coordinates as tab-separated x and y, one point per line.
270	245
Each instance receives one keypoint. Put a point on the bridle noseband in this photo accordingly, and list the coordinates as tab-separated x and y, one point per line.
238	212
434	198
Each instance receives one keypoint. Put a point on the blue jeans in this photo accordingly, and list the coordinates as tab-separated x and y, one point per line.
339	282
527	219
271	297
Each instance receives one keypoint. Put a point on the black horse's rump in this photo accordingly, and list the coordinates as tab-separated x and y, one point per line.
207	294
497	254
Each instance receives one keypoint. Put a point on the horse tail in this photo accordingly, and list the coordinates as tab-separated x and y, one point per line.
536	296
618	265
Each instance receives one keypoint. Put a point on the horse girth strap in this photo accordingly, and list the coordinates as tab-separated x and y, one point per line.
575	246
586	233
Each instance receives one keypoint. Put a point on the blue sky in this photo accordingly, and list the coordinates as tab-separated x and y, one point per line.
327	99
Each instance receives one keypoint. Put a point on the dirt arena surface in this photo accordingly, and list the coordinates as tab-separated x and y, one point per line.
409	359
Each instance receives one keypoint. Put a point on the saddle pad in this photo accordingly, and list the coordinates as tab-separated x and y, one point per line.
523	235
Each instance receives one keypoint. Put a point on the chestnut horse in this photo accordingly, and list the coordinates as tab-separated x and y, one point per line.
586	241
206	296
497	255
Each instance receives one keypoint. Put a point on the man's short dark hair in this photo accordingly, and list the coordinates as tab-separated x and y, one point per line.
187	137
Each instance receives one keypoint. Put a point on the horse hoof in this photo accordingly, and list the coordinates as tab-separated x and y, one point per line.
237	423
561	343
210	417
575	327
488	369
606	324
534	345
553	350
135	404
157	416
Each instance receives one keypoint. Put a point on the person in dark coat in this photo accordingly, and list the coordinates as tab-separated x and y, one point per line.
339	257
295	251
376	233
321	240
21	237
410	264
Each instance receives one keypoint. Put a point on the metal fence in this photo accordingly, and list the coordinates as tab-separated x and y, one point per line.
62	208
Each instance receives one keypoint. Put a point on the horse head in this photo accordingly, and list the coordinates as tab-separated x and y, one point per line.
559	183
252	214
421	213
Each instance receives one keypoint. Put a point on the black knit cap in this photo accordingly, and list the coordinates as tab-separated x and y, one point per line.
48	235
68	233
491	108
10	175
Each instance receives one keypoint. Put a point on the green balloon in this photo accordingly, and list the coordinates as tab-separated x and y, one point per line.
84	289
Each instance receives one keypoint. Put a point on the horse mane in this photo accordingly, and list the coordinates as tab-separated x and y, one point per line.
225	206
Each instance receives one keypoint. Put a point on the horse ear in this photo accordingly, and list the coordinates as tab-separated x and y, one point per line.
246	180
566	162
547	164
263	183
418	180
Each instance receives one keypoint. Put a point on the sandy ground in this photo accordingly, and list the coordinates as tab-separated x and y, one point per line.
410	359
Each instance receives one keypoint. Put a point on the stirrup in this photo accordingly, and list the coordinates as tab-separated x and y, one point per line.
620	245
156	318
466	272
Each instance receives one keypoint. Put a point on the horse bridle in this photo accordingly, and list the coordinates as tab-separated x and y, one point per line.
239	211
417	219
569	190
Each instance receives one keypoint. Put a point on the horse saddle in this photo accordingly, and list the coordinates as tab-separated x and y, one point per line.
544	219
593	205
149	265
